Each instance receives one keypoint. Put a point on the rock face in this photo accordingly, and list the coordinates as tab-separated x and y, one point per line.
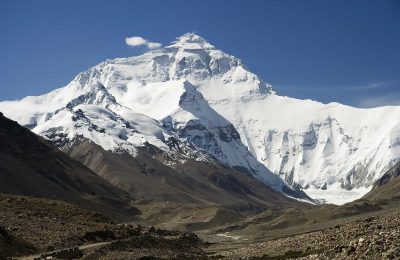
206	101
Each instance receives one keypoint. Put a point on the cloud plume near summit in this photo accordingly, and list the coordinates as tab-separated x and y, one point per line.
135	41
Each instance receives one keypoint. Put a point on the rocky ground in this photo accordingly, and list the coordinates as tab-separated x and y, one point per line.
32	226
374	237
11	245
49	224
156	246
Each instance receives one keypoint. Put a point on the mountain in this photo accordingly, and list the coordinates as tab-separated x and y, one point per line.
148	178
32	166
194	101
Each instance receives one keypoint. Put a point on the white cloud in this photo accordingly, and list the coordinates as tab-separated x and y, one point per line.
135	41
139	41
379	101
374	85
367	86
154	45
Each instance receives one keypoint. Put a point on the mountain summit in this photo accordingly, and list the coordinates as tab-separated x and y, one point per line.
193	101
191	41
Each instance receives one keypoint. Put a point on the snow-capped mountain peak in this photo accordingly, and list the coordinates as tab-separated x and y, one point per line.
209	101
191	41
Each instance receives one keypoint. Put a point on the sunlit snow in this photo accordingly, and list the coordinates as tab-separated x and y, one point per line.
204	96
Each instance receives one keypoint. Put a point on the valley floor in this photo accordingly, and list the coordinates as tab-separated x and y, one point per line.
32	228
375	235
359	230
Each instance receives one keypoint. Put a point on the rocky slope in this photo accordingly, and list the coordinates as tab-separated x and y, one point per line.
44	228
213	106
12	245
149	179
387	187
32	166
375	237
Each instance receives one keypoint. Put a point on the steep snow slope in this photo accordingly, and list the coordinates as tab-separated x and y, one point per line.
178	120
327	149
198	92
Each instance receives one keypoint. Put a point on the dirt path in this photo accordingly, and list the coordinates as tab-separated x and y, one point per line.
82	248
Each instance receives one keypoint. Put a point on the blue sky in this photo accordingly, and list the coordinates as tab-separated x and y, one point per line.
345	51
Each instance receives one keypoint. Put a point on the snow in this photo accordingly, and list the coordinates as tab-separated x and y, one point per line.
336	195
322	143
153	99
191	41
202	96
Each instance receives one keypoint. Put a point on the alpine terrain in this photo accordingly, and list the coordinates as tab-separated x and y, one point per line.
31	166
191	102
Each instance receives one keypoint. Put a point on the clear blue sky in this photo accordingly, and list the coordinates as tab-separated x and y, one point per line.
345	51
